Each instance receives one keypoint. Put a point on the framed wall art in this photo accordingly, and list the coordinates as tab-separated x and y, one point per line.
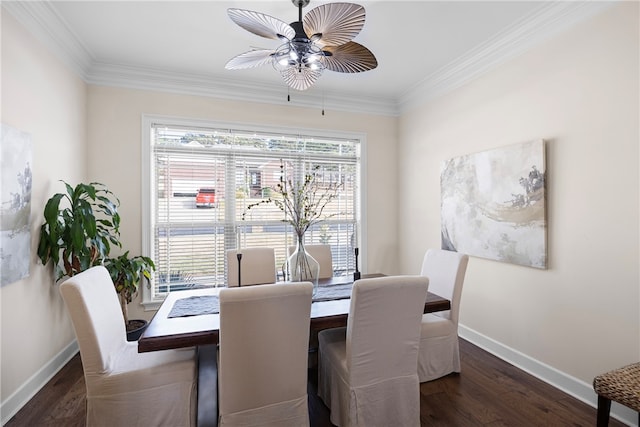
493	204
15	195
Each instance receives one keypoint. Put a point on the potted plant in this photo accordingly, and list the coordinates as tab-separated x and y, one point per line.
126	273
79	228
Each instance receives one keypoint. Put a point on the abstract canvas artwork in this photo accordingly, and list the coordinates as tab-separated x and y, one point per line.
493	204
15	194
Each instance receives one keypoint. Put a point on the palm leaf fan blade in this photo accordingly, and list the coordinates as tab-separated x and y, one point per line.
338	23
261	24
251	59
301	79
351	57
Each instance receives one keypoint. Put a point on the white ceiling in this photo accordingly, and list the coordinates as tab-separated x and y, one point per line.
421	46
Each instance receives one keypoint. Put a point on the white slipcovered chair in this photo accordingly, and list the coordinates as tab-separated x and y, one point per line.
257	267
322	254
262	370
124	387
439	345
367	371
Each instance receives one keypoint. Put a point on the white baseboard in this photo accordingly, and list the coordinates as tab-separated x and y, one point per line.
560	380
20	397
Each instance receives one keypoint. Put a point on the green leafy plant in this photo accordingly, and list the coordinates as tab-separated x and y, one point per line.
79	228
126	273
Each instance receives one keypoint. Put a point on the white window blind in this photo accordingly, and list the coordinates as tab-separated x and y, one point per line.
188	240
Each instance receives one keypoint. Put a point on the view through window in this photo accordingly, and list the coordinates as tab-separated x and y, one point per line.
201	181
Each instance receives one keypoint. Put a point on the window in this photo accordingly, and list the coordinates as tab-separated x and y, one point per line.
201	177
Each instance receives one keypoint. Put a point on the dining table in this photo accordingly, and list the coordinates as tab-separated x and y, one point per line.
190	318
191	329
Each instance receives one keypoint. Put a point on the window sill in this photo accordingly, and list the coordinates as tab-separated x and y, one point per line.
151	305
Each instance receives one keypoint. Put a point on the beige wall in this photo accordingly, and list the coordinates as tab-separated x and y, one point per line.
579	92
115	155
43	98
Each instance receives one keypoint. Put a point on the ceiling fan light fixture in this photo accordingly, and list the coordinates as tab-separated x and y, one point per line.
297	55
322	40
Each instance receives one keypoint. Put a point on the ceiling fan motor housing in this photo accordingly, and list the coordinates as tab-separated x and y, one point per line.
300	3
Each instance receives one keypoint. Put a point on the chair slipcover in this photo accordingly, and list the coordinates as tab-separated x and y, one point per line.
124	387
322	254
367	371
258	266
262	370
439	345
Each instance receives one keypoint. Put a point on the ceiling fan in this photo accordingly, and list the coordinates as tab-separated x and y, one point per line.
322	40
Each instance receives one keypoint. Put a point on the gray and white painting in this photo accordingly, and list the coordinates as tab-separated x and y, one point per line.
15	198
493	204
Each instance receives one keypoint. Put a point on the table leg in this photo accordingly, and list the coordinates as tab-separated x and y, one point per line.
207	386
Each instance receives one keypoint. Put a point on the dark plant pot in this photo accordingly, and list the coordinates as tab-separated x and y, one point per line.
135	328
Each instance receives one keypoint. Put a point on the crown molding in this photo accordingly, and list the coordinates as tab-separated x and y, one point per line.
233	89
42	20
541	25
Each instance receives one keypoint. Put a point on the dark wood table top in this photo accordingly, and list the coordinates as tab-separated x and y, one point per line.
165	333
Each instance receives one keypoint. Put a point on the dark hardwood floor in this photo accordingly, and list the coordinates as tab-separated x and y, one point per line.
488	392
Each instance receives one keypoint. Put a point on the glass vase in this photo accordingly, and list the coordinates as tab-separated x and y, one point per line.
302	267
